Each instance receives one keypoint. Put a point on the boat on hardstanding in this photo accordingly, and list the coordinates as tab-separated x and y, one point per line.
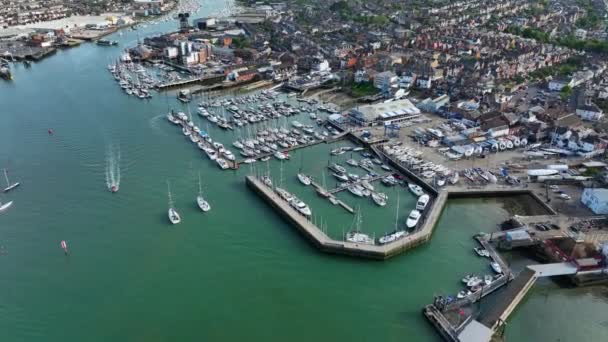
415	189
304	179
200	200
422	202
172	213
413	219
9	186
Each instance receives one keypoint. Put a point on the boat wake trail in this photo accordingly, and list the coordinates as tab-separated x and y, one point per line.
113	168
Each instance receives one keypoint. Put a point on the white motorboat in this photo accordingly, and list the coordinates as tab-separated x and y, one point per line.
267	181
300	206
223	164
238	145
487	279
9	186
415	189
463	294
210	153
200	200
304	179
367	185
280	155
475	281
297	124
482	252
422	202
496	267
186	131
467	278
341	176
5	206
379	198
249	161
413	219
284	194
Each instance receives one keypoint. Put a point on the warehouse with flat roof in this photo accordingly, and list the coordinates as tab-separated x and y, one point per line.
384	113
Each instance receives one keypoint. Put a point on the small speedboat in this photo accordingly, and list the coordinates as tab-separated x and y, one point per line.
467	278
304	179
114	189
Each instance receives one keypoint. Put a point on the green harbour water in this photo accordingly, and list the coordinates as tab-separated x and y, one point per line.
237	273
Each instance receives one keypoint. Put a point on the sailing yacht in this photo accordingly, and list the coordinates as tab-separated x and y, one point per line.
356	236
9	186
304	179
173	214
379	198
200	200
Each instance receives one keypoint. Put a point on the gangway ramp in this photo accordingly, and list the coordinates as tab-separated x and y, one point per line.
556	269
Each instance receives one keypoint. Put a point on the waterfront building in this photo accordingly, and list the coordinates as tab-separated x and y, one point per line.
384	113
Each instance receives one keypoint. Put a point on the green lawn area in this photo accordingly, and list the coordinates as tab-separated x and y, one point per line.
363	89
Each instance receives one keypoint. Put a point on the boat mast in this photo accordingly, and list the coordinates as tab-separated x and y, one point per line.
397	214
6	177
169	193
200	189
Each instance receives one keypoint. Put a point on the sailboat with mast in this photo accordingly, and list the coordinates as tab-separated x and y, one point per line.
396	234
356	236
9	186
200	200
173	214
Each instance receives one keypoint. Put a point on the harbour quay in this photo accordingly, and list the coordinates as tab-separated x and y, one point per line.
328	245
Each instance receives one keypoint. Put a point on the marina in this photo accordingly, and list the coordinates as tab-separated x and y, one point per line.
147	208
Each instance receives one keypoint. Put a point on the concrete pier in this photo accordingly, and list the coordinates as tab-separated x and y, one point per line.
326	244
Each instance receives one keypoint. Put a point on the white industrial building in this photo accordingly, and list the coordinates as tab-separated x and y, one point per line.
384	113
596	200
